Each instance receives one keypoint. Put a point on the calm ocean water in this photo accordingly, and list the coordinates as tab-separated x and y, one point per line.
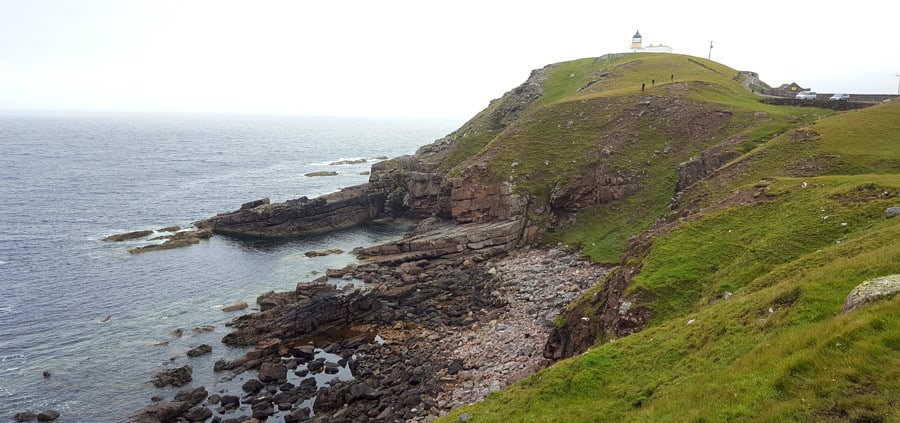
92	314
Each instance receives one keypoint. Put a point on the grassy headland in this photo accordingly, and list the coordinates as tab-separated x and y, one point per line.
747	272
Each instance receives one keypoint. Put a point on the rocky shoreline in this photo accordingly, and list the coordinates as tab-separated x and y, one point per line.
421	338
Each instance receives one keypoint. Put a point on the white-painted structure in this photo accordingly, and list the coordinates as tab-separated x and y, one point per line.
637	45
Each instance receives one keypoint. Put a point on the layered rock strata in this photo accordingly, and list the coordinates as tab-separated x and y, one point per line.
453	331
342	209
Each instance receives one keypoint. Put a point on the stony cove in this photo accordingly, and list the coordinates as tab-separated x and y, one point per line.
588	250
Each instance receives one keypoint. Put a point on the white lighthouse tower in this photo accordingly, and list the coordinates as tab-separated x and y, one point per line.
637	42
637	45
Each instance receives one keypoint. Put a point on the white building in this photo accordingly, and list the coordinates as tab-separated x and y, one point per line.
637	45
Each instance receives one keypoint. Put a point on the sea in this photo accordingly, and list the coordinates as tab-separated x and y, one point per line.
84	324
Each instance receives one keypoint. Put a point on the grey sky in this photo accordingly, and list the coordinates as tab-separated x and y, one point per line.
403	58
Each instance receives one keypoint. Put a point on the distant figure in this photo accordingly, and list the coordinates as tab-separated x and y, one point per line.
642	86
673	77
653	82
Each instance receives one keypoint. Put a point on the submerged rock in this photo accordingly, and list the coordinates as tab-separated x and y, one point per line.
180	239
240	305
322	173
127	236
200	350
322	253
348	162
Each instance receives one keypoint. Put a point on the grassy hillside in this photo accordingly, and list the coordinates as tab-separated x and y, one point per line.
747	281
593	113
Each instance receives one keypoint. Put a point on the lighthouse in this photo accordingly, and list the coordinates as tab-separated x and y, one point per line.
637	45
637	42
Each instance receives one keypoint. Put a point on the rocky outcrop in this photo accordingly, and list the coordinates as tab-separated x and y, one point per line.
178	240
128	236
164	412
445	239
891	212
597	185
174	377
871	291
415	185
346	208
317	315
475	197
451	331
698	168
606	314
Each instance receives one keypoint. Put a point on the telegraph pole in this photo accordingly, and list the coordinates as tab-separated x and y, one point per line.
710	51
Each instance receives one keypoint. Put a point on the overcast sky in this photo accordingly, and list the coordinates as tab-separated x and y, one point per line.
404	58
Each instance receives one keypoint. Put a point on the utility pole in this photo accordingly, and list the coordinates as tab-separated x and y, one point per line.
710	51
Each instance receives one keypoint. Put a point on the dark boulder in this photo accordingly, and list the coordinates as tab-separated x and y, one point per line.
272	372
25	416
362	391
160	412
192	396
316	366
252	386
230	401
198	413
297	416
263	410
174	377
303	352
331	398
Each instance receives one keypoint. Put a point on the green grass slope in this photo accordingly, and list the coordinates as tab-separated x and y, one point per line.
593	113
746	291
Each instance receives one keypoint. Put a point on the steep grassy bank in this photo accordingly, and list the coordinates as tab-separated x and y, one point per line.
746	277
592	114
